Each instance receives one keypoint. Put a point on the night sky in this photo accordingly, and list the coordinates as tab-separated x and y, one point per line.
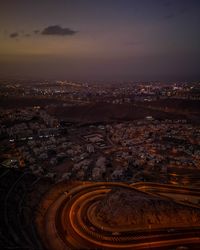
100	39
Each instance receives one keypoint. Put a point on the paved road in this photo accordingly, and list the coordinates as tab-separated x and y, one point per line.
70	222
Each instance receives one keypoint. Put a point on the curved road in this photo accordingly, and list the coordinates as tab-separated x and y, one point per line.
69	222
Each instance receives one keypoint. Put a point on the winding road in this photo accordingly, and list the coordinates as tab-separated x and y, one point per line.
69	222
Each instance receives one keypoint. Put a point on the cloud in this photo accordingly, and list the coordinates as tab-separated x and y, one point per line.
167	3
169	16
57	30
133	43
36	31
184	10
14	35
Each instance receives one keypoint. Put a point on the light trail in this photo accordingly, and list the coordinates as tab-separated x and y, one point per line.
69	221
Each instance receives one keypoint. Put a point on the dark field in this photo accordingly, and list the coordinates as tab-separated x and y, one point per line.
105	112
109	112
23	102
